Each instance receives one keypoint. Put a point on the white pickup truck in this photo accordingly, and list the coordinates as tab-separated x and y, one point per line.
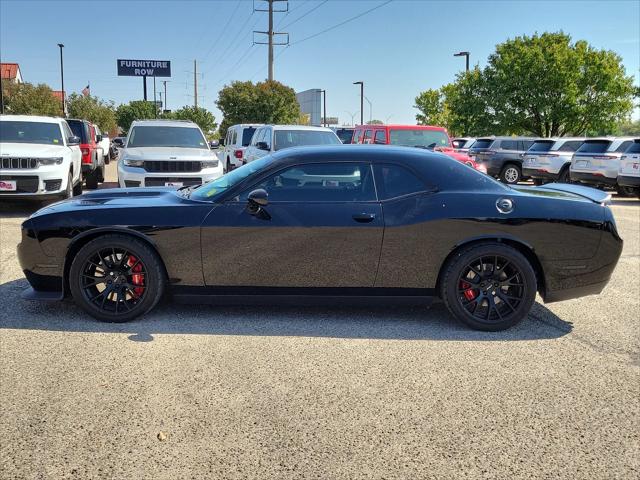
40	158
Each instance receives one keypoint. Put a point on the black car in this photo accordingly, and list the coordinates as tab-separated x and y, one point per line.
502	156
341	222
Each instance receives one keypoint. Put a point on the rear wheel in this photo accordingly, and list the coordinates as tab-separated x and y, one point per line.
511	174
489	287
626	191
92	180
229	167
116	278
564	176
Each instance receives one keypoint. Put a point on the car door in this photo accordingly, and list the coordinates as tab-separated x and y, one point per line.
322	228
76	154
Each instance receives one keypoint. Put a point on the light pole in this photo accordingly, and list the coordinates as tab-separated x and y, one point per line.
352	116
370	109
463	54
361	101
324	107
64	113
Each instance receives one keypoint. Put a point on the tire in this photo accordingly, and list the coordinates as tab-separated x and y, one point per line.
136	286
478	308
92	180
538	181
228	165
77	188
69	191
106	159
565	176
626	191
511	174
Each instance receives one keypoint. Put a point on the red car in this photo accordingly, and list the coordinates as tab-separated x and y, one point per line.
92	154
421	136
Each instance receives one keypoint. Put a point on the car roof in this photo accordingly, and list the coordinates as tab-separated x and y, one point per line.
403	127
164	123
31	118
301	127
246	125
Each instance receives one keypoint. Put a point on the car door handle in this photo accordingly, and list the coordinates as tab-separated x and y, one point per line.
364	217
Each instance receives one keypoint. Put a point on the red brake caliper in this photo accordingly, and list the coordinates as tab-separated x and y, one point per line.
137	278
469	293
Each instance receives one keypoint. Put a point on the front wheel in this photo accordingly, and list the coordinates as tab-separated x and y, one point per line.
489	286
116	278
511	174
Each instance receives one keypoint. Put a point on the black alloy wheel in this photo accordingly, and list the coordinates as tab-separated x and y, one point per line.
116	278
489	287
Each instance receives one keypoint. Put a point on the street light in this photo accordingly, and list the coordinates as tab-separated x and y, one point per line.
370	109
352	116
463	54
64	113
361	101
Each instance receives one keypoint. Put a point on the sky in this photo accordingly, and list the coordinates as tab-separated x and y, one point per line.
397	50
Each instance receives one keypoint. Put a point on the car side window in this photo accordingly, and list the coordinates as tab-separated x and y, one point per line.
319	182
526	144
395	181
368	135
381	137
256	137
267	137
66	130
357	136
623	146
570	146
509	145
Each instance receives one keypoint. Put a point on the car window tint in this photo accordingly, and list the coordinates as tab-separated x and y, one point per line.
482	143
541	146
526	144
394	181
267	137
624	146
357	136
380	137
634	147
368	134
570	146
247	133
319	182
509	144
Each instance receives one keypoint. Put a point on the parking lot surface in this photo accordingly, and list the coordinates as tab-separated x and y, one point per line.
265	392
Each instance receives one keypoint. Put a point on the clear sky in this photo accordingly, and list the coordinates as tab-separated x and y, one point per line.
398	49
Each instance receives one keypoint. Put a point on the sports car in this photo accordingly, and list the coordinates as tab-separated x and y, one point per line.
326	224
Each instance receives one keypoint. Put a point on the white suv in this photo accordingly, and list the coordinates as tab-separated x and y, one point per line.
105	144
597	161
40	158
271	138
235	143
166	153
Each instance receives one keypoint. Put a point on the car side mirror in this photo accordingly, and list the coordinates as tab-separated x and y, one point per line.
262	146
73	140
259	197
98	138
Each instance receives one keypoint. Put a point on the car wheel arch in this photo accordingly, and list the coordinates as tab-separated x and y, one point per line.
524	248
82	239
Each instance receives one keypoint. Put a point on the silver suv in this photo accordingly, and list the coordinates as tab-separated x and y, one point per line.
549	159
502	156
597	161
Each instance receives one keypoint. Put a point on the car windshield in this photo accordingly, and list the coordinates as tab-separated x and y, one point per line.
541	146
345	135
418	138
30	132
298	138
210	190
594	146
165	136
247	134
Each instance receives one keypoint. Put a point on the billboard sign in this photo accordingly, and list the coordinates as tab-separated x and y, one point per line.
144	68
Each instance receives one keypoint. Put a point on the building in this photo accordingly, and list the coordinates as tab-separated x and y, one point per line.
11	72
311	104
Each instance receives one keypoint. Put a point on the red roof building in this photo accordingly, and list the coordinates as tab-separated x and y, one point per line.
11	71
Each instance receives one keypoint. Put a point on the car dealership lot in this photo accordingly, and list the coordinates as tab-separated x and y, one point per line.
266	392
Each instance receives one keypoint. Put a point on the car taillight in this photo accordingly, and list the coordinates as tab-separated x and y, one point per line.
86	155
237	154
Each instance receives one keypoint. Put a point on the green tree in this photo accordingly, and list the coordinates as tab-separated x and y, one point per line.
203	117
136	110
628	128
263	102
431	107
467	108
28	99
375	122
93	109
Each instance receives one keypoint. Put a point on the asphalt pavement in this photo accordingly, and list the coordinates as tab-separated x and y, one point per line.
328	393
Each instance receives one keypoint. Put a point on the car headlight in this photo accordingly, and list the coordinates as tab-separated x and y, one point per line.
129	162
210	163
50	161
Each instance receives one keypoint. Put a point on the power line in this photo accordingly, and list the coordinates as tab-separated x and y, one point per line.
342	23
290	11
233	43
224	29
305	14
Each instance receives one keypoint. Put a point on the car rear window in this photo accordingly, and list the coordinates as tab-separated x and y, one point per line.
568	146
79	129
482	143
247	134
634	148
594	146
623	146
541	146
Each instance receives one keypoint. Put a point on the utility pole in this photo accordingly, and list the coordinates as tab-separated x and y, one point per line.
64	113
144	87
155	103
270	33
165	95
195	84
324	108
361	101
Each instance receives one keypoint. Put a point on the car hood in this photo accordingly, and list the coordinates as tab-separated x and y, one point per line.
116	198
31	150
167	153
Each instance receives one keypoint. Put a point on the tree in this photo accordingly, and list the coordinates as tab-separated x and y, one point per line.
136	110
203	117
431	105
375	122
264	102
628	128
93	109
28	99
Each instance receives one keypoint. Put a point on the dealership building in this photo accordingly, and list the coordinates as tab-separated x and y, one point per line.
311	104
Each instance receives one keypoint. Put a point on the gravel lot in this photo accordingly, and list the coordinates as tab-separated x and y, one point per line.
200	392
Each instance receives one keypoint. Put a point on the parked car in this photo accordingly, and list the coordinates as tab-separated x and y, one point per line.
502	156
39	158
629	171
119	141
327	224
549	159
235	144
421	136
271	138
105	144
462	144
597	161
345	134
166	153
92	156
